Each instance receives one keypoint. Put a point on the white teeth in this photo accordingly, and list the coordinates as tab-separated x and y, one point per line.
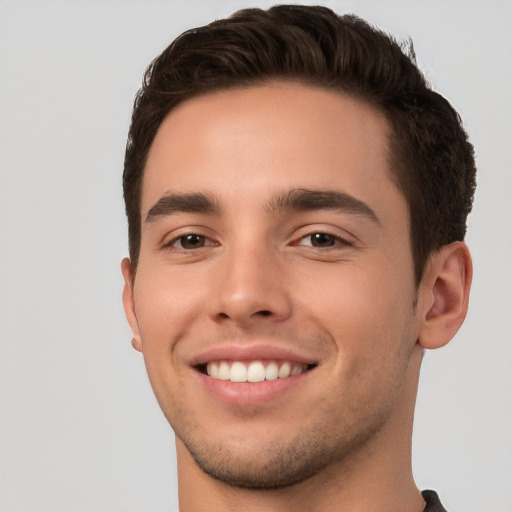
256	371
284	371
271	372
224	371
213	370
238	372
296	370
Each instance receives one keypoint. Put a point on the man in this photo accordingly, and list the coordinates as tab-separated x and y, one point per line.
297	200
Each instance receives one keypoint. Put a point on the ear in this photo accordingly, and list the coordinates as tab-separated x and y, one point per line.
444	295
129	303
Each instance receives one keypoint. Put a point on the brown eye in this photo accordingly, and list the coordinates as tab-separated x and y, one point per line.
190	242
322	240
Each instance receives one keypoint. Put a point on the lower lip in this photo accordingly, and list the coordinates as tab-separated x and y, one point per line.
250	393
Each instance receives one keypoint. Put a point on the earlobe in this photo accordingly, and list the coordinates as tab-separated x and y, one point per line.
129	303
444	295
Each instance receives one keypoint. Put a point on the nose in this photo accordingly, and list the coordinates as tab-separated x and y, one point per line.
250	286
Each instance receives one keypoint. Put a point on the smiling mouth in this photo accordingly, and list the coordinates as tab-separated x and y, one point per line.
253	371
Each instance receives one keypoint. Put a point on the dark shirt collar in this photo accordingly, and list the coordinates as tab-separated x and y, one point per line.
433	503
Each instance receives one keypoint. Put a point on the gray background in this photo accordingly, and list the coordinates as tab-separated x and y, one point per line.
79	427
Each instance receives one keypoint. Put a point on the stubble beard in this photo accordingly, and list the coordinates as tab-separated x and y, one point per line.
281	463
333	445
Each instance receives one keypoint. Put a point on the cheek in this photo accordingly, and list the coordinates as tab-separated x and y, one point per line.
368	317
353	296
161	304
371	324
165	305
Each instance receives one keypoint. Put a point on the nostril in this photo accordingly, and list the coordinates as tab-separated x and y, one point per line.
264	313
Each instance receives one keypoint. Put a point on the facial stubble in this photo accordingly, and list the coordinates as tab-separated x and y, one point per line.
283	462
330	446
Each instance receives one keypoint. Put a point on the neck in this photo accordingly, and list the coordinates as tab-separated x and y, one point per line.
378	478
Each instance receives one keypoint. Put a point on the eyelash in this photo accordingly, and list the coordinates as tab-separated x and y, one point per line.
171	245
337	241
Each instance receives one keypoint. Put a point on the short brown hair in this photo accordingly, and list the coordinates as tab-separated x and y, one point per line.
431	160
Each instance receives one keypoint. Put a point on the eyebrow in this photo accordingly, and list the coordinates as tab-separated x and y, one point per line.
196	202
297	199
301	199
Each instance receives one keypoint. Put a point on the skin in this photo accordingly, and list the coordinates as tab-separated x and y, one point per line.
257	279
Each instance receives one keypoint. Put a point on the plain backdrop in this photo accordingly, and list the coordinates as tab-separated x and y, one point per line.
80	430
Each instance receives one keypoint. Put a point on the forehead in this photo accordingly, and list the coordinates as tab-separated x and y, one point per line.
280	135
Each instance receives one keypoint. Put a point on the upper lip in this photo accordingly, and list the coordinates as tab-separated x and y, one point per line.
250	352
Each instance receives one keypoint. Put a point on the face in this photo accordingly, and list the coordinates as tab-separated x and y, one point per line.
274	296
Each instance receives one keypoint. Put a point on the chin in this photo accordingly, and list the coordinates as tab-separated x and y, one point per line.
276	464
283	468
